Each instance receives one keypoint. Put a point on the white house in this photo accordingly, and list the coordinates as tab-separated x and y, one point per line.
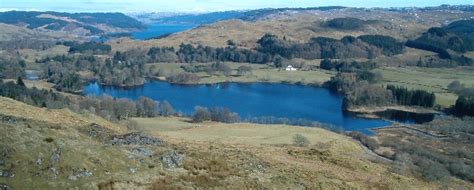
290	68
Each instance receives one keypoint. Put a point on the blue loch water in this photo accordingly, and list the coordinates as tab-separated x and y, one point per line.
249	100
157	30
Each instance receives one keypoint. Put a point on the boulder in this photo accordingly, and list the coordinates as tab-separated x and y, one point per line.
136	139
4	186
142	152
7	173
78	173
172	159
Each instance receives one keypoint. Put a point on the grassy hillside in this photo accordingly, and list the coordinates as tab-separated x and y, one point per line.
10	32
84	23
60	149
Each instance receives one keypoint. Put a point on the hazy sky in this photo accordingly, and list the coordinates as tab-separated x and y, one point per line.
201	5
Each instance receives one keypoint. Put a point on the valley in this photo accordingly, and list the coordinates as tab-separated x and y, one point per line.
280	98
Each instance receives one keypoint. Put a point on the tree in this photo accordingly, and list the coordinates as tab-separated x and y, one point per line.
69	82
224	115
243	70
183	78
222	67
231	43
364	94
20	82
390	46
455	86
278	62
201	114
402	164
464	106
300	140
404	96
123	109
146	107
166	109
326	64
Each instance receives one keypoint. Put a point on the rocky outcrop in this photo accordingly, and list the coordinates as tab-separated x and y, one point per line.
4	186
172	159
78	173
7	173
136	139
142	152
97	132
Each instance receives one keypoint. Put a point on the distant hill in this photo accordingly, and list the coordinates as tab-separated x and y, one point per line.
199	19
301	25
208	18
457	36
77	23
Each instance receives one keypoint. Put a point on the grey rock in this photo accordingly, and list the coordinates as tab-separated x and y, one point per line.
5	152
94	130
55	156
39	161
72	177
4	186
132	170
172	159
8	119
2	162
136	139
54	172
142	152
78	173
97	131
7	173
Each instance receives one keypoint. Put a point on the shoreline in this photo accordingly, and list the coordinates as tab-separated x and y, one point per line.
371	112
163	79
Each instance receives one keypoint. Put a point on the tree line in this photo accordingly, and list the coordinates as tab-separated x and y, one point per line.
403	96
457	37
359	89
346	66
123	69
12	68
270	47
188	53
88	47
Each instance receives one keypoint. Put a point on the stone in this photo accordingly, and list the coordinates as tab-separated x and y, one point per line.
132	170
78	173
4	186
55	156
8	119
39	161
54	171
136	139
72	177
172	159
142	152
7	173
2	162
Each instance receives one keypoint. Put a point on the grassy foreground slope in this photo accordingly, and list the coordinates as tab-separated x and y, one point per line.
47	149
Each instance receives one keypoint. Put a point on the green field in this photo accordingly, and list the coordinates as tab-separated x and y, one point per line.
31	55
260	73
431	79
